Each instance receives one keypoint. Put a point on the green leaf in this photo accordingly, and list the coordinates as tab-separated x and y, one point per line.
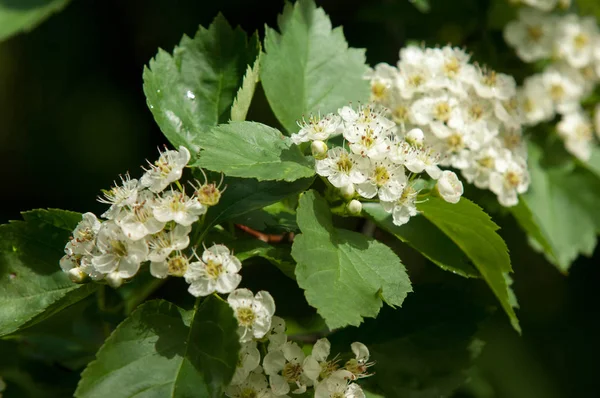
559	211
423	350
308	67
253	150
467	225
424	237
32	285
421	5
345	275
245	249
194	88
162	350
593	164
24	15
242	100
244	195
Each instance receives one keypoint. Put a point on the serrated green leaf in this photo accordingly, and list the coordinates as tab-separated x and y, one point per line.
308	67
473	231
253	150
559	211
25	15
194	89
423	350
242	100
428	240
344	274
244	195
32	285
278	256
162	350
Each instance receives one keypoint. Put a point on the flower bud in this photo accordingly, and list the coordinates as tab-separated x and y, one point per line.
114	280
354	207
415	137
319	149
449	187
347	191
77	275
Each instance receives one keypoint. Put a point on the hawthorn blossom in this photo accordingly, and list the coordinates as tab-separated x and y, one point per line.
285	367
253	313
167	169
216	271
449	187
177	206
342	168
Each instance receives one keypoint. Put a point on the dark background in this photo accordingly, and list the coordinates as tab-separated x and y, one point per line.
73	116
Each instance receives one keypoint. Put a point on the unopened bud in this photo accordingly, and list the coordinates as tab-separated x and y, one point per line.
354	207
347	192
77	275
114	280
319	149
415	137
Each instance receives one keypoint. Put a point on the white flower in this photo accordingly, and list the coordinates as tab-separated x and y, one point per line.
404	208
424	160
490	84
482	164
176	264
370	141
565	86
449	187
253	313
164	242
354	207
382	78
248	360
450	68
117	253
358	366
343	169
276	334
317	128
509	179
544	5
453	145
83	240
119	196
363	117
167	169
177	206
433	109
254	386
537	104
414	77
577	132
415	137
316	365
285	367
532	34
385	179
338	385
137	221
575	39
217	270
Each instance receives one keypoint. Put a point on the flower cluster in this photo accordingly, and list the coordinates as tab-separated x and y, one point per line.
148	222
377	160
573	44
286	369
469	115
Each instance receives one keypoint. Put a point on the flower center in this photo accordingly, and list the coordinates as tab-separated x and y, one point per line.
118	247
486	162
382	176
476	111
142	212
214	269
245	316
378	90
581	40
557	91
208	194
535	33
292	372
356	367
513	179
368	140
452	67
344	164
490	79
248	392
400	113
327	368
178	265
85	235
416	80
442	111
455	142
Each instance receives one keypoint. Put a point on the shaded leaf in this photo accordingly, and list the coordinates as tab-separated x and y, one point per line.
194	88
345	275
32	284
24	15
428	240
242	100
473	231
162	350
308	67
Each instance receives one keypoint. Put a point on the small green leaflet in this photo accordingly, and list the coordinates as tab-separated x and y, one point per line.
194	89
559	211
424	237
252	150
308	67
344	274
242	101
24	15
32	285
475	233
162	350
